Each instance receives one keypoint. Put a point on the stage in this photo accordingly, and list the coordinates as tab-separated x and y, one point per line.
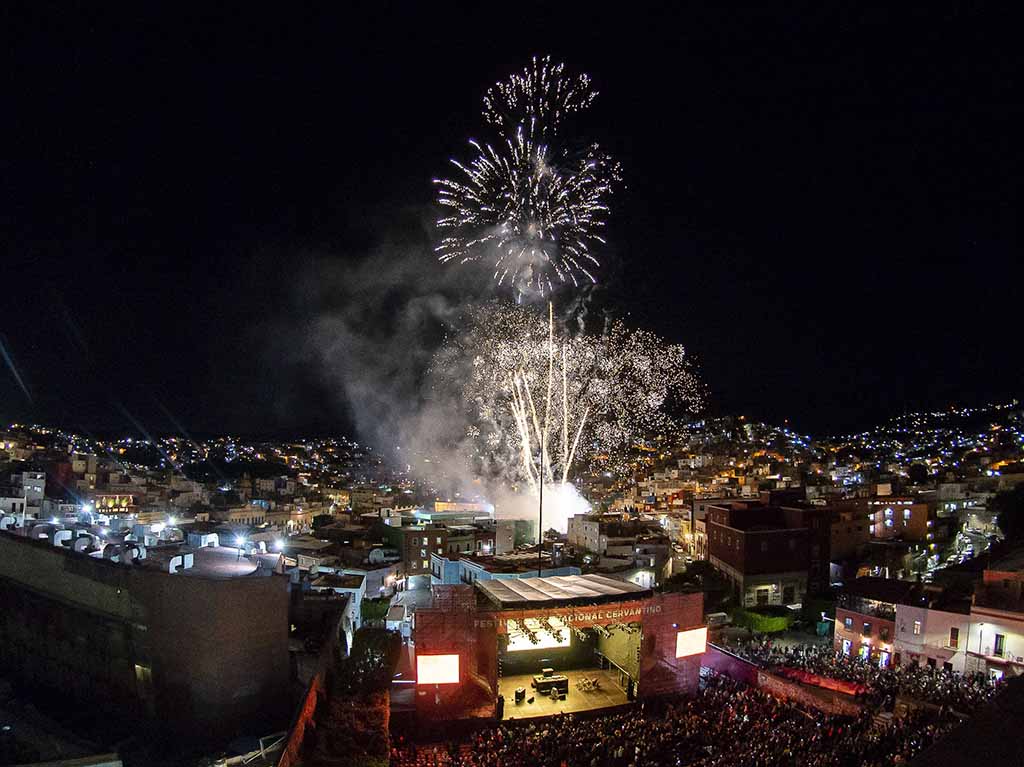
610	694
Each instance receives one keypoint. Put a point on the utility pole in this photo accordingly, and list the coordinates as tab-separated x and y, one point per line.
540	525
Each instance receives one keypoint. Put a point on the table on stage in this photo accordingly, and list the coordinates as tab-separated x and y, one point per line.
544	684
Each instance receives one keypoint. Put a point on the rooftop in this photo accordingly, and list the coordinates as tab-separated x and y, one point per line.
1012	562
561	590
882	590
338	581
516	562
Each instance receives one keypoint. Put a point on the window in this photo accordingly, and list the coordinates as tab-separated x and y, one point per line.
888	513
906	514
848	624
954	637
423	552
764	546
888	523
426	564
917	628
1000	646
871	529
867	629
883	633
439	539
792	545
415	540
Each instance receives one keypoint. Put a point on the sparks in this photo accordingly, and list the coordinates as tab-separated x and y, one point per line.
540	405
530	204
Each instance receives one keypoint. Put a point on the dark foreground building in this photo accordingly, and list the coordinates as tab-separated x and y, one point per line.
194	639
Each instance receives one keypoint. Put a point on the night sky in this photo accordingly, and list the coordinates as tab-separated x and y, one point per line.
821	205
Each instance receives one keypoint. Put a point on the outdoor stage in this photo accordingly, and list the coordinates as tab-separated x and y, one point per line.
479	641
610	694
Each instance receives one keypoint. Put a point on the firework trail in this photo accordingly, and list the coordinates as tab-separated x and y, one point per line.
529	203
539	404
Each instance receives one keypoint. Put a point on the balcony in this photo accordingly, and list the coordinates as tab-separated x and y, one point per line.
882	610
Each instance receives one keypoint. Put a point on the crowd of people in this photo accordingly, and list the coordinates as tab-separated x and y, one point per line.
727	724
926	683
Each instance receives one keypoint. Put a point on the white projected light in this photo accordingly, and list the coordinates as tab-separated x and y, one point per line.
437	669
692	642
549	634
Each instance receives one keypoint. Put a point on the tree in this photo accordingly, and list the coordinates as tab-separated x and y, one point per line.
1009	508
918	474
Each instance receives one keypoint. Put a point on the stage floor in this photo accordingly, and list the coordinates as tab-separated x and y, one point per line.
610	694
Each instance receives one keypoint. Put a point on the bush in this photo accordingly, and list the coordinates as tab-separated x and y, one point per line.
370	665
375	609
762	620
352	732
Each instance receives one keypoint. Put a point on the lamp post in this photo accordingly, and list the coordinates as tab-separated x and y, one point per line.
981	628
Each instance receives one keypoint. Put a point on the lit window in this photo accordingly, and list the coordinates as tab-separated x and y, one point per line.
1000	646
917	628
848	624
954	637
888	513
906	513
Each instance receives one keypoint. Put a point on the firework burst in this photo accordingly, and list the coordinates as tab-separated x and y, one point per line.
528	204
541	95
539	403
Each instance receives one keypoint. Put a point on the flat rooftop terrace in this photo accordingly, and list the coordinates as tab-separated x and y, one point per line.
559	590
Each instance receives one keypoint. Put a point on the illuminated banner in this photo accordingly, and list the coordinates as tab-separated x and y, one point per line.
573	616
437	669
692	642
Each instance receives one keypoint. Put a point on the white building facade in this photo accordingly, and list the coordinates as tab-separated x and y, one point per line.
928	637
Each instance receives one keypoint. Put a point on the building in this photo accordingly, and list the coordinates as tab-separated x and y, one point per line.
245	515
866	618
584	532
929	636
34	485
995	642
157	631
353	586
517	648
470	568
771	555
13	502
904	518
698	524
849	531
417	543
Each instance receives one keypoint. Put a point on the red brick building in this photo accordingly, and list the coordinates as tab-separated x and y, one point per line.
772	555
